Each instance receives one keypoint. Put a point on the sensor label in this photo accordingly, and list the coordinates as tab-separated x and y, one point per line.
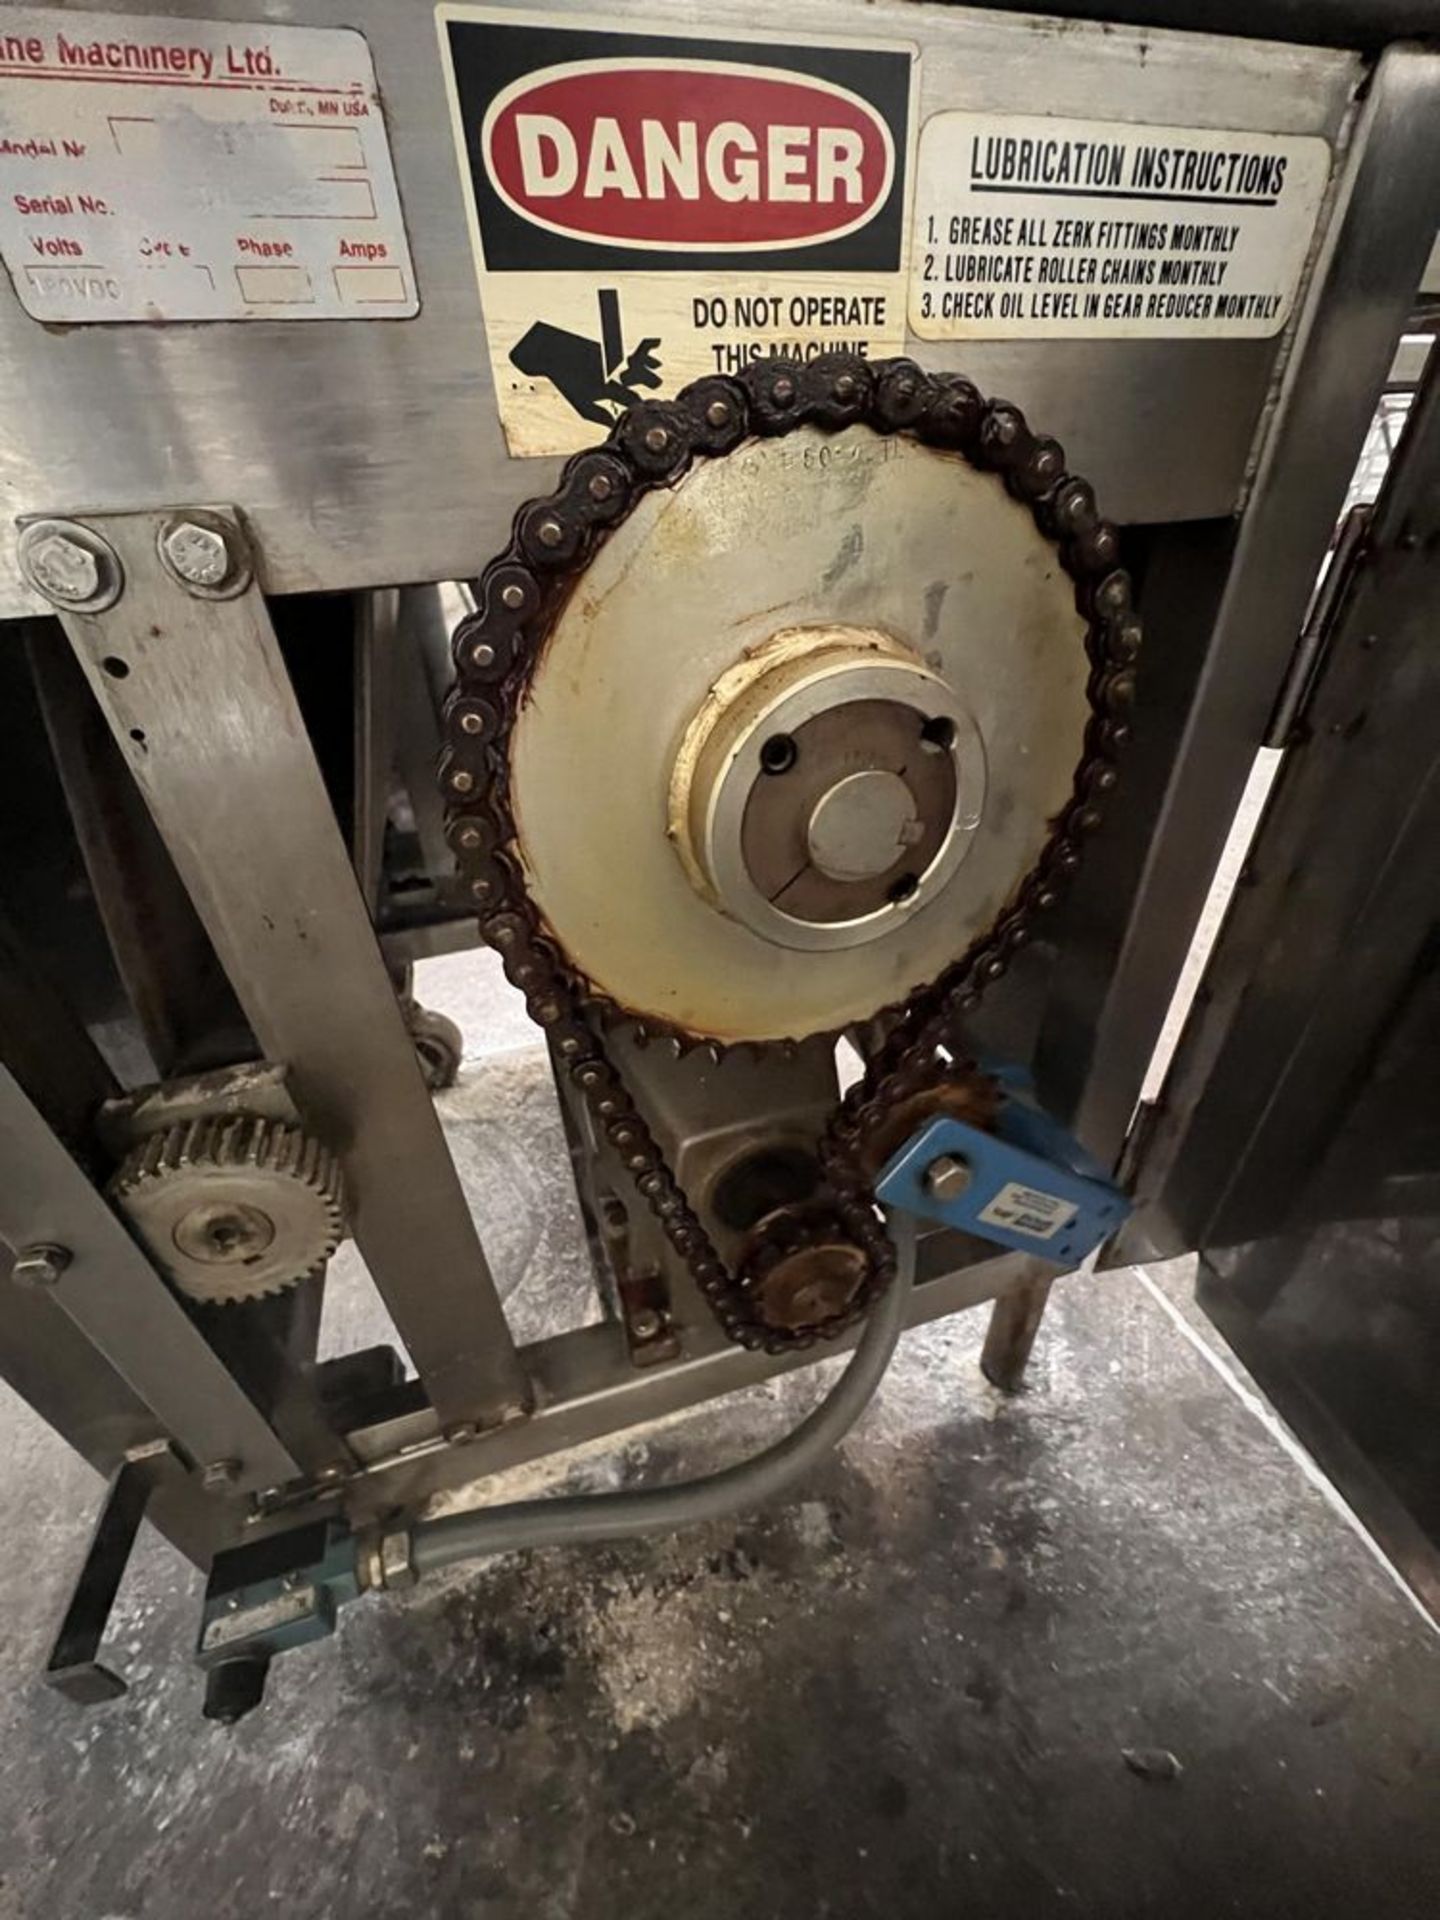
158	169
1027	1210
647	207
1037	228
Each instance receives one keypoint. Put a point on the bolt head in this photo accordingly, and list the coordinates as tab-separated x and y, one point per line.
39	1266
948	1177
63	569
198	554
397	1568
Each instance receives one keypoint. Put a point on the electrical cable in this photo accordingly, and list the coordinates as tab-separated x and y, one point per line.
571	1520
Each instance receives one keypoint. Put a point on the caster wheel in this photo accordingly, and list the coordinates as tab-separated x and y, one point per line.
438	1044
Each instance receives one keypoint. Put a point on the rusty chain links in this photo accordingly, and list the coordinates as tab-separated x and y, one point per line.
497	649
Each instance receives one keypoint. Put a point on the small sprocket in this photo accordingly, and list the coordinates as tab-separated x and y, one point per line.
233	1207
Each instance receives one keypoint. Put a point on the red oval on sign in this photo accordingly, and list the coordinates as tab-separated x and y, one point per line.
687	155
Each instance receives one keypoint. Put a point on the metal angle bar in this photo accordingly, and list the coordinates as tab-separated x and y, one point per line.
74	1667
119	1302
197	695
1319	624
1359	300
587	1388
160	950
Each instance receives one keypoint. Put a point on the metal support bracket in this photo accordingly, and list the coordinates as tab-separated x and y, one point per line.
74	1667
1027	1185
176	641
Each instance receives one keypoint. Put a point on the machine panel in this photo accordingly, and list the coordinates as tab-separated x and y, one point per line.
366	452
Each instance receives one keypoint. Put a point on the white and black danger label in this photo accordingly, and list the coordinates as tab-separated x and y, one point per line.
647	207
159	169
1039	228
1029	1211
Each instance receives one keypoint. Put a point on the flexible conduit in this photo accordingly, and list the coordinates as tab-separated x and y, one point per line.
570	1520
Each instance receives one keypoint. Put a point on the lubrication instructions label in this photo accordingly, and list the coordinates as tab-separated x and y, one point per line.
1030	228
647	207
161	169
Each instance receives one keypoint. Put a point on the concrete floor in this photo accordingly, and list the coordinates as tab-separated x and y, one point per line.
908	1693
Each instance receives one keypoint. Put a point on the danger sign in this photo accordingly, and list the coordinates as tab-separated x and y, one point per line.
646	209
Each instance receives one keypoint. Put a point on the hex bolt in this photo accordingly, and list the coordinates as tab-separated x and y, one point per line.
40	1265
948	1177
220	1475
64	569
69	565
198	554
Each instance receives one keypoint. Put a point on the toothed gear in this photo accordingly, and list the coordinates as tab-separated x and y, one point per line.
233	1208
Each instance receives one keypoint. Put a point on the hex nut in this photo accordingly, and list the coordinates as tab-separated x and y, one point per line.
198	554
397	1569
40	1265
948	1177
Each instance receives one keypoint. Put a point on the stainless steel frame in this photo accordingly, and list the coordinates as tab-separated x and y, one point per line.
1297	1145
393	472
1137	904
586	1386
197	697
368	453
